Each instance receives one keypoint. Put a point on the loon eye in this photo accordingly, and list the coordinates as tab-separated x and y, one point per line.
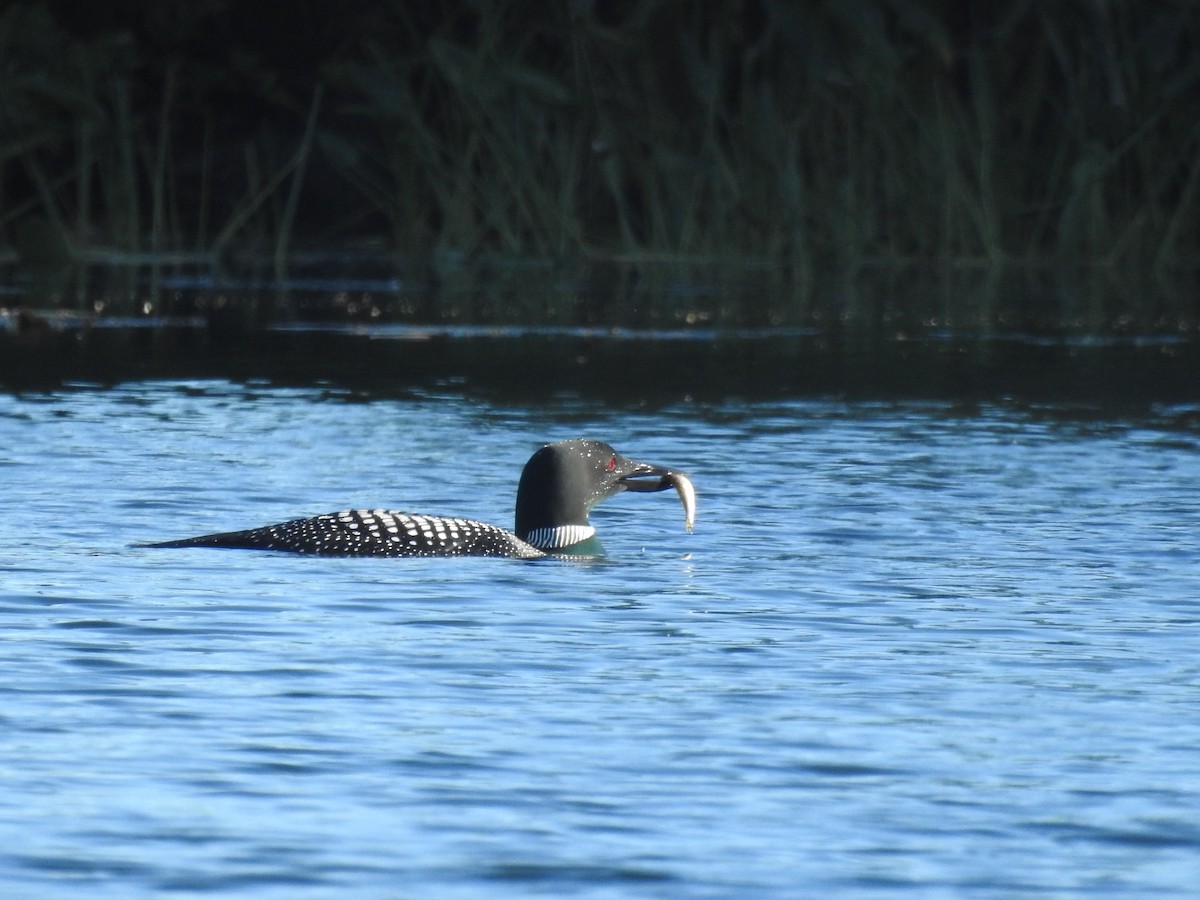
612	464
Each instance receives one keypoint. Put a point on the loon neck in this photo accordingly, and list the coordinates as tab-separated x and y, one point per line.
553	497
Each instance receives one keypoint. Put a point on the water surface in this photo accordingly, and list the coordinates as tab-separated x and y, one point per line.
912	647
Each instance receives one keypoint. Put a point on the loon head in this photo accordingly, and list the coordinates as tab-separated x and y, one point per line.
563	481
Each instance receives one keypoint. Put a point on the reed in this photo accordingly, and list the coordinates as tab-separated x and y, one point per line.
808	139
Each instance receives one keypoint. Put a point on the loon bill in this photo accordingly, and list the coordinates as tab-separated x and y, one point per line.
559	486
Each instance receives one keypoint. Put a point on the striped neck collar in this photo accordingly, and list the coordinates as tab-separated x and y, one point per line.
557	538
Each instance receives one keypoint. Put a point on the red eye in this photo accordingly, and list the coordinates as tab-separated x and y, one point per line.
612	463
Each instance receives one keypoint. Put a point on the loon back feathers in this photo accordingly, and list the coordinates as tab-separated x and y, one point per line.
559	485
373	532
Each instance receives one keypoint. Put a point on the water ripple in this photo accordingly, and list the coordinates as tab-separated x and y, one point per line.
922	648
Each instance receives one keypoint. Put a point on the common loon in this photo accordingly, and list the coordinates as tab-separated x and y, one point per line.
559	485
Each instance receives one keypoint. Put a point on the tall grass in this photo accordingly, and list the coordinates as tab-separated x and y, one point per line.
804	137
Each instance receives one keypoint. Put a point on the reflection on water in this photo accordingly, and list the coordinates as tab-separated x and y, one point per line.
369	288
626	367
638	331
926	647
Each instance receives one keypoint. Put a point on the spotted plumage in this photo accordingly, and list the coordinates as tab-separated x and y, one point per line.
375	532
558	486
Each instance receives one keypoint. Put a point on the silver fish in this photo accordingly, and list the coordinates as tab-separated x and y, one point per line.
687	495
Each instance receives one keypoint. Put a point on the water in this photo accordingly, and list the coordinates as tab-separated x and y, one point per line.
911	648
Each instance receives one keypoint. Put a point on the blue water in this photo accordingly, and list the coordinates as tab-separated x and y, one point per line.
909	649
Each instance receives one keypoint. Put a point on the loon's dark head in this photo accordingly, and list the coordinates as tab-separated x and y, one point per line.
563	481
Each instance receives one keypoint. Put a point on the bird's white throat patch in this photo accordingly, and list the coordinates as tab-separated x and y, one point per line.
562	536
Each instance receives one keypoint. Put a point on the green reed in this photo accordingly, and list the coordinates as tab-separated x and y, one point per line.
806	138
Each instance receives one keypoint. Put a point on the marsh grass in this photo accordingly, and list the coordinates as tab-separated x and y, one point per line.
817	143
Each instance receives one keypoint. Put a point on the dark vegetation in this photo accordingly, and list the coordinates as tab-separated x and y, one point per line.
608	146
